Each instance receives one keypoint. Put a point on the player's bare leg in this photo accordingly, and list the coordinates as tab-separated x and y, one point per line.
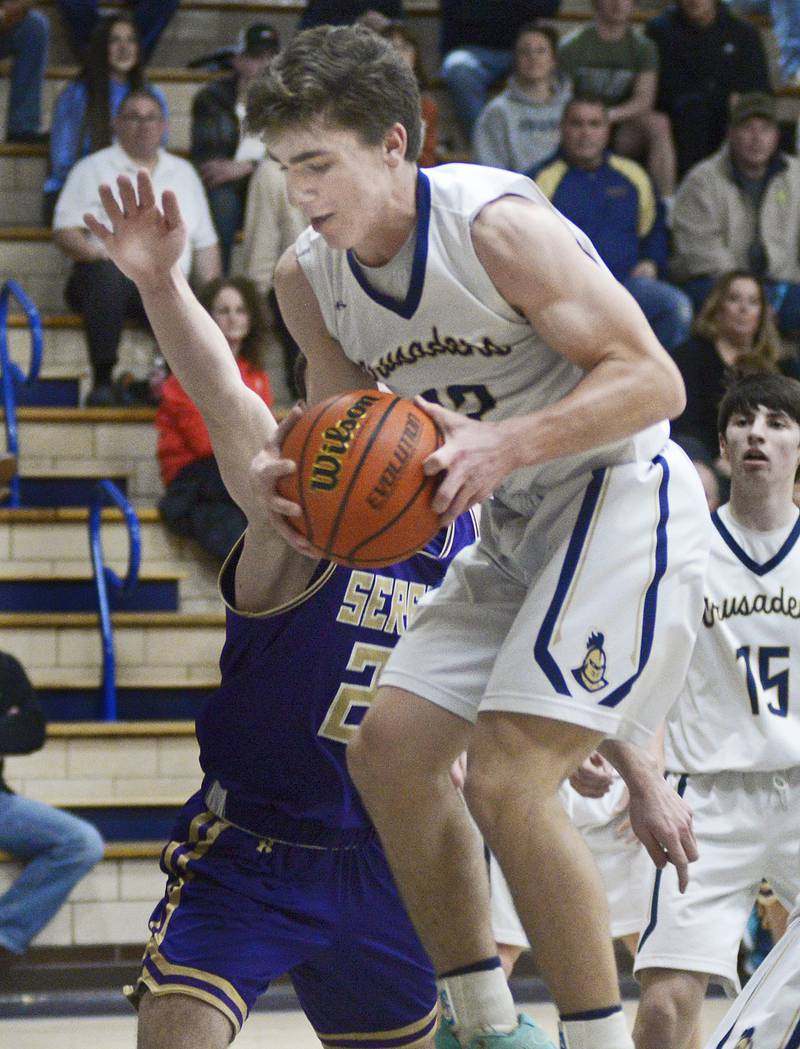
669	1008
179	1021
516	764
509	955
400	761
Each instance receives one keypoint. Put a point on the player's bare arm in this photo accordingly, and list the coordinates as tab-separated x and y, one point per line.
146	242
582	313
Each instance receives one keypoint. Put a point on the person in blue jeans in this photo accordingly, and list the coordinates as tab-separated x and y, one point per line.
58	849
24	37
152	17
611	198
785	15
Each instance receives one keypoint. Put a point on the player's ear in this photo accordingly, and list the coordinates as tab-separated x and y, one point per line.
395	144
723	446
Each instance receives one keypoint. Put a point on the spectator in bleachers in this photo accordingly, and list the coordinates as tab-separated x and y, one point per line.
57	848
398	34
521	126
734	331
345	12
86	106
152	18
785	15
477	41
707	57
96	289
612	199
196	502
24	36
271	225
611	60
740	209
221	150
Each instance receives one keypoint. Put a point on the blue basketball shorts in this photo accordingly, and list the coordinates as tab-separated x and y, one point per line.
239	912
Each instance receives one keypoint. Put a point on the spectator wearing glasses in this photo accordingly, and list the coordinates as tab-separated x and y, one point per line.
96	289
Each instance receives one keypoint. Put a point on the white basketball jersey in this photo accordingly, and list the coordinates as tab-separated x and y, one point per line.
453	338
740	707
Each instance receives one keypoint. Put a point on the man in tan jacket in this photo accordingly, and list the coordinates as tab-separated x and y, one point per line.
740	209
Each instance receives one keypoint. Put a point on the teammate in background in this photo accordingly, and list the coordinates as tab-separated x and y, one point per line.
274	866
574	617
766	1015
732	742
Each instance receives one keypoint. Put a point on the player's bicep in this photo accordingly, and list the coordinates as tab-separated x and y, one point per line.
573	302
328	371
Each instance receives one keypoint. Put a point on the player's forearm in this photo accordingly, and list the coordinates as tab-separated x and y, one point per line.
615	400
195	348
635	764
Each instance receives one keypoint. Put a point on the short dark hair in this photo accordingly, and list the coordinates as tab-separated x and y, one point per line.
143	92
745	393
345	76
543	29
254	344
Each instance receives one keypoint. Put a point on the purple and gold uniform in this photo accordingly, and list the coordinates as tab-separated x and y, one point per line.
274	866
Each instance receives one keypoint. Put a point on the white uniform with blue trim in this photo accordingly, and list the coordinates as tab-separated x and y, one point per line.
733	745
766	1015
589	561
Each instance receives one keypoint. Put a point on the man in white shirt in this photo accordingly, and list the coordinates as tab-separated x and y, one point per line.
96	289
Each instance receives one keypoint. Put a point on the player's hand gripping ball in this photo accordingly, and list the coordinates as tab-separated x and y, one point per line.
359	481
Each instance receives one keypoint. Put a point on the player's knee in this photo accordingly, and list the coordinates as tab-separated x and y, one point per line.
663	1002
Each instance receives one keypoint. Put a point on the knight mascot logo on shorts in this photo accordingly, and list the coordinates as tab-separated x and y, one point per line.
591	674
745	1039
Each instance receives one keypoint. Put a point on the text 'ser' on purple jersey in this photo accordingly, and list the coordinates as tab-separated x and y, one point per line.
296	682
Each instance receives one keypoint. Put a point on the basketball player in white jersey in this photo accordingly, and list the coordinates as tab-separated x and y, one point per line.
766	1015
574	619
573	622
732	741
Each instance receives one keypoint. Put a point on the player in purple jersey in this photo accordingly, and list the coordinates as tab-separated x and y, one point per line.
273	866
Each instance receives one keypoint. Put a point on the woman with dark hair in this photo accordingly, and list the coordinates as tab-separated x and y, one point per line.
83	111
196	502
733	333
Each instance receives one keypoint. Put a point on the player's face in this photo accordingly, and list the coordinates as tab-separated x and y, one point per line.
534	59
739	313
341	184
123	49
584	134
230	312
762	444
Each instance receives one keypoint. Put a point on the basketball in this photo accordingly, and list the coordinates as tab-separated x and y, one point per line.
359	481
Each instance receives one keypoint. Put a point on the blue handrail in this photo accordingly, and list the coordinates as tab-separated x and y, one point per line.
12	374
105	577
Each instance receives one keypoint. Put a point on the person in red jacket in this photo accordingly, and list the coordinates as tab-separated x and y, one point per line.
196	502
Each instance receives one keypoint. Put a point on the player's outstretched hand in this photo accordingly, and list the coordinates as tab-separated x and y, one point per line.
475	458
265	471
594	777
144	241
662	821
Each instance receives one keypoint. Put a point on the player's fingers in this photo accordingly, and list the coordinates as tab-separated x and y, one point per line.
171	209
109	202
654	850
144	186
127	195
100	231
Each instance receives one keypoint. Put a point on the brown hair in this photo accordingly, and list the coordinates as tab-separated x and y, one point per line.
778	393
397	28
255	342
549	32
767	349
346	76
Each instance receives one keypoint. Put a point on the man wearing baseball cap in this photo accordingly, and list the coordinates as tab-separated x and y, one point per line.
740	209
221	150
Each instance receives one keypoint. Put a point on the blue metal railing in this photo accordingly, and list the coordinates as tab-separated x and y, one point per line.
12	374
105	578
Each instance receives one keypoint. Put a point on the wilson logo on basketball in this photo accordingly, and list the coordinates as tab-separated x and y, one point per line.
401	457
328	461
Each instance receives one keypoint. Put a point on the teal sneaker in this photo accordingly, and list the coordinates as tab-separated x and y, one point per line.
528	1035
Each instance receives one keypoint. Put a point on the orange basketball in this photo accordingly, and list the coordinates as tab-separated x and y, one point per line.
359	481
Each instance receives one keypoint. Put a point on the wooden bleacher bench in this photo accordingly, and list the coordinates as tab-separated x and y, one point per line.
118	729
116	850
